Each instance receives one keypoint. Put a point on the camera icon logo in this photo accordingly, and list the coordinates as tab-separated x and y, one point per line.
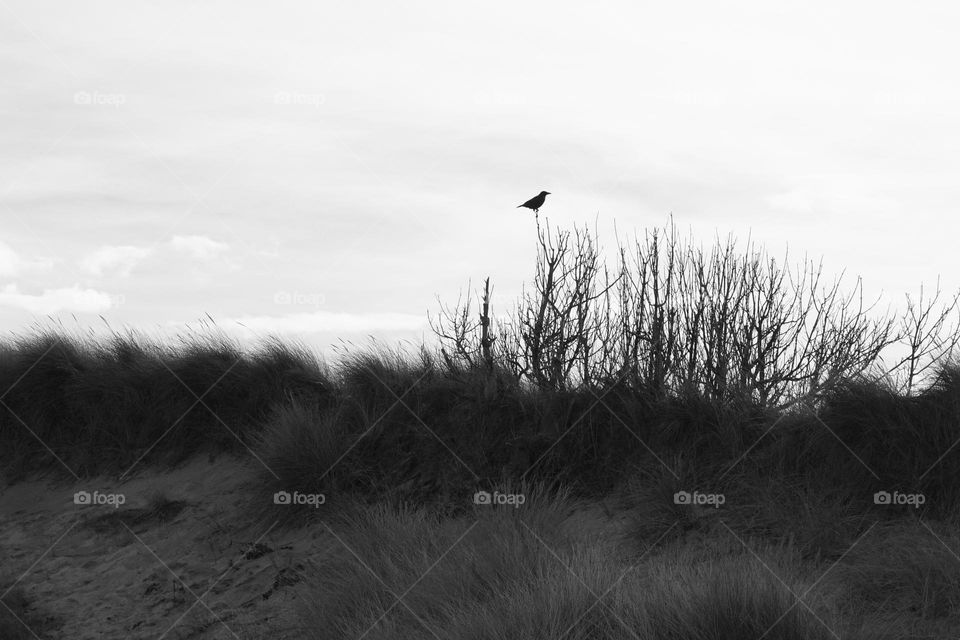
482	497
281	497
881	497
681	497
81	497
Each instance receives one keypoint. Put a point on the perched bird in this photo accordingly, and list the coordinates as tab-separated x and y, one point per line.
535	202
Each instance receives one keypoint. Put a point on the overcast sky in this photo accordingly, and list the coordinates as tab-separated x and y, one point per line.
329	169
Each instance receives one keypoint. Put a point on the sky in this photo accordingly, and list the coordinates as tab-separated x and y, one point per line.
329	170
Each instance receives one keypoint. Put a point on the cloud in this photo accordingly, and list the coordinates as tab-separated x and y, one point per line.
826	196
122	258
11	263
53	300
328	321
200	247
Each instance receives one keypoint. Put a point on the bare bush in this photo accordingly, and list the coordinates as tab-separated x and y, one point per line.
671	318
929	334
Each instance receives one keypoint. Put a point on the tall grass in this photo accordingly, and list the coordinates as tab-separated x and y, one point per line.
909	567
86	405
418	427
866	438
505	573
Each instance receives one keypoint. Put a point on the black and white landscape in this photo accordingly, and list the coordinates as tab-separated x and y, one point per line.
560	321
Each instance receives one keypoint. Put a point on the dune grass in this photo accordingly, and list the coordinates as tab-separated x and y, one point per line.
383	422
908	567
84	405
864	438
504	573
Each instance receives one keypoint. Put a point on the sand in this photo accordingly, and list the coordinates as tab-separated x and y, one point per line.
206	566
202	567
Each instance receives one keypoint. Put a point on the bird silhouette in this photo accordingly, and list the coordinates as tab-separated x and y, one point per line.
535	202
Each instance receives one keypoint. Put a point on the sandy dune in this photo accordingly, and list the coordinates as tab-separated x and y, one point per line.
130	572
201	566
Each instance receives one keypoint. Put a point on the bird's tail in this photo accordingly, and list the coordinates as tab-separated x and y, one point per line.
519	205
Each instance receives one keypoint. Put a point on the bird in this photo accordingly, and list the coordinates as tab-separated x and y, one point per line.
535	202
